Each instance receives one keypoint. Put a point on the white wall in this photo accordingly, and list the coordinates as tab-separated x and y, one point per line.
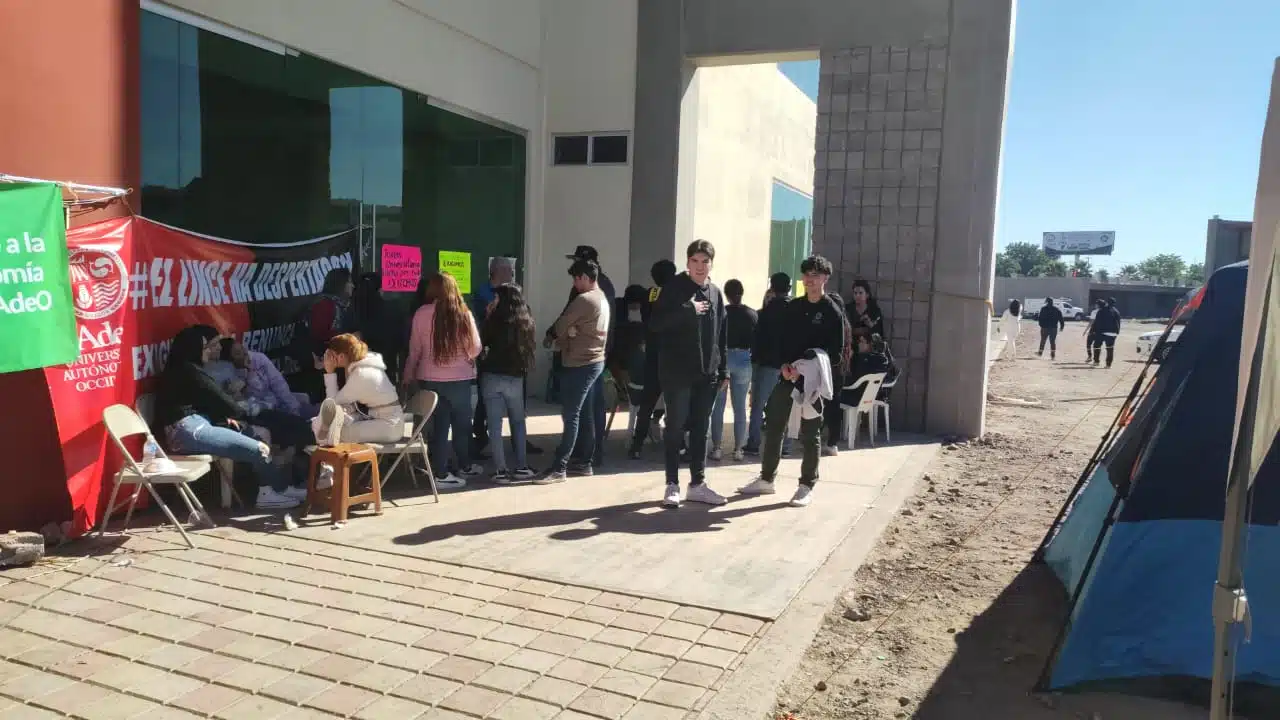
589	72
753	125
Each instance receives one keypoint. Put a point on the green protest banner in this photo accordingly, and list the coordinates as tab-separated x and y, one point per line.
37	321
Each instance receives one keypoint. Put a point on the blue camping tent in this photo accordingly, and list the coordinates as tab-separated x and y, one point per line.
1136	547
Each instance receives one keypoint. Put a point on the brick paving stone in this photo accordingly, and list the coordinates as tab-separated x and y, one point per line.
305	713
573	715
578	628
342	699
498	613
600	654
693	674
602	704
442	714
513	635
294	657
553	690
620	637
380	678
697	616
336	667
297	688
650	711
167	713
414	659
50	654
173	657
577	671
681	630
256	707
516	598
116	707
26	712
209	699
215	666
107	612
539	587
576	594
615	601
427	689
637	622
488	651
557	644
710	656
473	700
392	708
421	596
253	678
167	688
10	670
330	640
218	616
444	642
625	682
213	639
253	648
732	642
72	697
506	679
474	626
80	666
534	660
134	646
458	604
646	663
403	634
739	624
35	684
658	608
524	709
668	693
14	643
373	650
669	646
448	586
460	669
595	614
503	580
478	591
555	606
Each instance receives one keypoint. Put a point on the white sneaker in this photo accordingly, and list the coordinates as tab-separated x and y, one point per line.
830	451
451	481
705	495
716	455
298	492
803	495
524	473
472	470
269	499
739	455
330	427
759	486
501	477
324	478
671	496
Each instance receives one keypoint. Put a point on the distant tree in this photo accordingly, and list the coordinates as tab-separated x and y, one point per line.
1102	275
1163	268
1029	258
1195	274
1054	268
1083	268
1130	272
1005	266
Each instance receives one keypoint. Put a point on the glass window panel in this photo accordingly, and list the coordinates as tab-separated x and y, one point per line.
790	239
609	149
571	150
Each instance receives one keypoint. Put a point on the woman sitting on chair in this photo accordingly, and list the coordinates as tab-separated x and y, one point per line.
872	358
199	418
367	408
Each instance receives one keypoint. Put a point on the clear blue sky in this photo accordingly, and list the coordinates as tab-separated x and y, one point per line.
1139	116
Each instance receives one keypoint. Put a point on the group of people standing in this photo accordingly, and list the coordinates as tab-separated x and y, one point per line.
1102	330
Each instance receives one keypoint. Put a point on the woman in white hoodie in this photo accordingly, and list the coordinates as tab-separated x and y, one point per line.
367	408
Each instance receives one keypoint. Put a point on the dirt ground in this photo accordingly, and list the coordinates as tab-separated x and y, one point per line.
947	618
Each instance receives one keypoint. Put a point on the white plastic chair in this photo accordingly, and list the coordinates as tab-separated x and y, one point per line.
122	422
866	405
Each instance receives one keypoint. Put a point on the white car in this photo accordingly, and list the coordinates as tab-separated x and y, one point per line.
1147	342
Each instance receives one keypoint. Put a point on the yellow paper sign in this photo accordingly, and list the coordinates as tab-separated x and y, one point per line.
457	265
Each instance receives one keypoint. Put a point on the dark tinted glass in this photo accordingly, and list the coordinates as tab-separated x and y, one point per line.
571	150
609	149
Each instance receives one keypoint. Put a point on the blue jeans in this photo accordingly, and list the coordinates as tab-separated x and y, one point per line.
453	410
195	435
504	395
739	383
599	421
577	396
762	383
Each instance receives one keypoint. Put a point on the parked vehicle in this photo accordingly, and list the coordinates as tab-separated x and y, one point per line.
1149	343
1070	311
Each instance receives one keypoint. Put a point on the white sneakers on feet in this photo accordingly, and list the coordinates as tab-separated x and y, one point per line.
524	473
739	455
472	470
451	481
324	478
705	495
759	486
330	423
830	450
804	494
716	455
269	499
300	493
671	496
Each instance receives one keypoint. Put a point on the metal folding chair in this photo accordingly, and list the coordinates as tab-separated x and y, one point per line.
122	422
421	406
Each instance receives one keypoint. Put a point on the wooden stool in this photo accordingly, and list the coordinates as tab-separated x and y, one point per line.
342	457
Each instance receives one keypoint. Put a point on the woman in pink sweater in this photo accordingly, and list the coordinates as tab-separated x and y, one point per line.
443	345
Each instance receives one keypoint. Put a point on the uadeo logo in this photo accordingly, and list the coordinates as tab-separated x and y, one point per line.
97	282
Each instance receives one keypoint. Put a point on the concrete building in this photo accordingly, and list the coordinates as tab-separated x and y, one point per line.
526	127
1133	300
1226	242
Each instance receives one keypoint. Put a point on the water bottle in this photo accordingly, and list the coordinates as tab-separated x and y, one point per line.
149	450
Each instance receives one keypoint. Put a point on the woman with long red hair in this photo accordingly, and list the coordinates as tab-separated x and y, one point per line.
443	345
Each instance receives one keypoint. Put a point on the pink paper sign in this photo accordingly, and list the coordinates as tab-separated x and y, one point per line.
401	268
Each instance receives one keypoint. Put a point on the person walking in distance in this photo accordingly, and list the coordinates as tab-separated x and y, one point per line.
1105	330
1051	321
813	322
689	322
741	323
581	332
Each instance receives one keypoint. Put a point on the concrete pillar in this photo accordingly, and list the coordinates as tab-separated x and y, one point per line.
71	112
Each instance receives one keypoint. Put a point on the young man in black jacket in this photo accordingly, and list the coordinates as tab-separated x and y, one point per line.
812	322
662	273
1104	330
1051	321
688	322
766	355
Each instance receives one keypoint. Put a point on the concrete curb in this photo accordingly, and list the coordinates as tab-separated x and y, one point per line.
752	689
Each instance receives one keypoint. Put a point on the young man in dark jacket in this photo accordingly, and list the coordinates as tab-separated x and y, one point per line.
813	322
662	273
1105	329
1051	321
693	364
766	354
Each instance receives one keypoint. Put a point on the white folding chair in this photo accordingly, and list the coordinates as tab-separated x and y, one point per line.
421	407
883	406
122	422
866	405
224	468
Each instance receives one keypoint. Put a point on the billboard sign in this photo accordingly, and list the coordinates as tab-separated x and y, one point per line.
1080	242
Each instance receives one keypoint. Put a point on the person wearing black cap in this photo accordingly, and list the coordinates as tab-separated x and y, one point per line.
580	254
766	354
